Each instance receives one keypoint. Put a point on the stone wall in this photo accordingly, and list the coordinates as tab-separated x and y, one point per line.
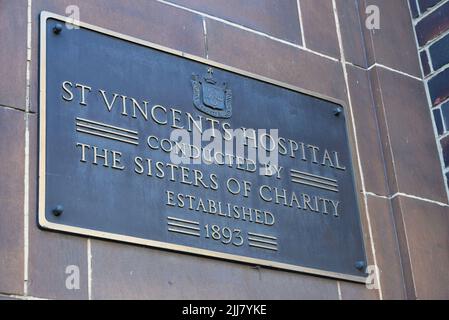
319	45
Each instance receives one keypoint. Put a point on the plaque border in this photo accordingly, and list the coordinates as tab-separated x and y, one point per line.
45	224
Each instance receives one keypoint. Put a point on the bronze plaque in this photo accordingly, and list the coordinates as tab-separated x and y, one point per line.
144	144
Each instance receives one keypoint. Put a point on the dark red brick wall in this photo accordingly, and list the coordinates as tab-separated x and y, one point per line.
319	45
431	19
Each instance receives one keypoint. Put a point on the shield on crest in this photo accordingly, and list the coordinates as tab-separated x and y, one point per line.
211	97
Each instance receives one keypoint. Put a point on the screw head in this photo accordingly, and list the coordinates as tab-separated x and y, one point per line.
338	111
58	210
360	265
57	28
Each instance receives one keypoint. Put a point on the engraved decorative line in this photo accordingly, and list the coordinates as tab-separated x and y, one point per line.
261	246
190	233
106	125
107	136
313	185
311	180
262	241
93	127
175	224
101	130
183	220
314	180
253	234
183	226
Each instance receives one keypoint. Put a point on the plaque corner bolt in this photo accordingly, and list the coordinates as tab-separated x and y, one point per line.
360	265
58	210
57	29
338	111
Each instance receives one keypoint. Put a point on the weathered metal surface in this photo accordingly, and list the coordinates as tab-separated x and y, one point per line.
109	104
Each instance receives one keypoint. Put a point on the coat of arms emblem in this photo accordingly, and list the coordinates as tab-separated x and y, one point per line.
211	97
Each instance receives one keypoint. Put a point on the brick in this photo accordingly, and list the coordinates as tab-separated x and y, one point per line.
439	88
13	53
414	8
425	5
445	112
425	238
405	131
320	31
439	52
382	45
276	18
275	60
433	25
123	271
445	148
425	62
438	121
12	153
351	32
